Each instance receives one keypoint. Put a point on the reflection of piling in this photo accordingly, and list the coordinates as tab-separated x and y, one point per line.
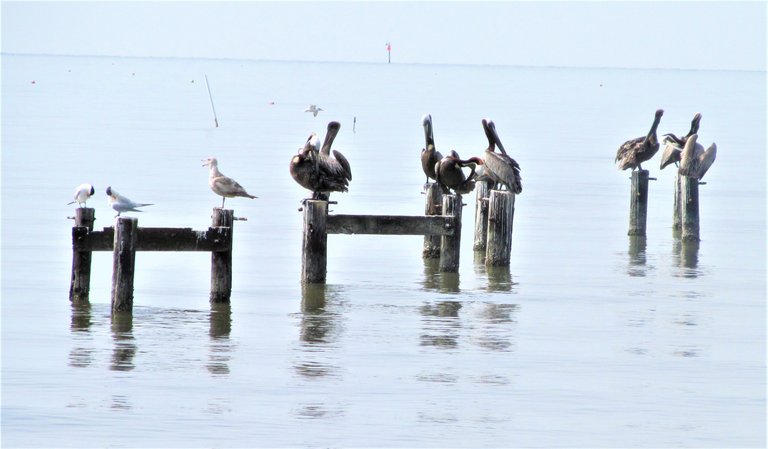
221	261
432	206
638	204
676	218
79	288
689	208
123	263
501	213
481	216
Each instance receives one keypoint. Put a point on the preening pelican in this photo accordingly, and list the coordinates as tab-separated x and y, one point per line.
449	173
318	169
695	161
634	152
429	155
673	145
82	193
122	204
221	185
313	109
500	168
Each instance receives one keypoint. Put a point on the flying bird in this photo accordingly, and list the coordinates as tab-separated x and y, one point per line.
499	168
122	204
222	185
317	169
634	152
429	155
673	147
82	193
313	109
449	173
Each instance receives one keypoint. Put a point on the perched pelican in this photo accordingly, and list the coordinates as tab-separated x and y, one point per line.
429	155
449	173
313	109
122	204
82	193
315	169
634	152
222	185
674	145
695	161
499	168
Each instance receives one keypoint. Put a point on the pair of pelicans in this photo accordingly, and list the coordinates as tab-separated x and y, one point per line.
321	171
691	157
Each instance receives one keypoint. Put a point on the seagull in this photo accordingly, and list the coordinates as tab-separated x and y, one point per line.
313	109
122	204
82	193
223	185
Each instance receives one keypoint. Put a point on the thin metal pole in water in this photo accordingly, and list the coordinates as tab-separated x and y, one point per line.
215	119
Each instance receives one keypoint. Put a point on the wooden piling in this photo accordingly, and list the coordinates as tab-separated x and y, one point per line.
432	206
481	216
501	214
314	250
124	262
451	244
80	285
221	261
676	213
638	203
689	208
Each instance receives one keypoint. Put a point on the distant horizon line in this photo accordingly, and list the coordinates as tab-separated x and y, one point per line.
210	58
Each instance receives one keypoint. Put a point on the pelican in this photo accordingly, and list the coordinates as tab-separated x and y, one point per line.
449	173
313	109
429	155
122	204
499	168
634	152
222	185
674	145
316	169
82	193
695	161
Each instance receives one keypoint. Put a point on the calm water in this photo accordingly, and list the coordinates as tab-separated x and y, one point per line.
588	339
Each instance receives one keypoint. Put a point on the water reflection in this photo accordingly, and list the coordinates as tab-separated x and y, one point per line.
221	346
81	322
319	328
686	254
495	330
499	278
637	256
441	324
435	280
124	348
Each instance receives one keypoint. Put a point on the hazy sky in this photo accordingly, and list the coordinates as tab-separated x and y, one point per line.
687	34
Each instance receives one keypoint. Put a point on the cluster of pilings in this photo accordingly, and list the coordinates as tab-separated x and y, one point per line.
685	217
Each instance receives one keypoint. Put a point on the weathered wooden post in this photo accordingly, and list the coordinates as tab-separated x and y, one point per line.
124	262
80	285
501	214
221	261
638	203
689	208
676	214
314	249
432	206
450	245
481	216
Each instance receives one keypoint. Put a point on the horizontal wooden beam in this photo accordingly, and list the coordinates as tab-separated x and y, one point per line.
390	224
214	239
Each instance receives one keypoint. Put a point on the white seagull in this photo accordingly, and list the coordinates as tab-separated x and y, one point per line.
313	109
222	185
122	204
82	193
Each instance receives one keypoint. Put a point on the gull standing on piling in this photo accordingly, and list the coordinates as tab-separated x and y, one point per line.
635	151
673	147
315	169
449	173
222	185
429	155
82	193
313	109
499	168
122	204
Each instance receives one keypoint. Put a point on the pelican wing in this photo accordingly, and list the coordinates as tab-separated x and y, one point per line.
706	159
344	164
670	155
502	168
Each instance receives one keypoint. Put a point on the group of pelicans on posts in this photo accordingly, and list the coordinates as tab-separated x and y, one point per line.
322	171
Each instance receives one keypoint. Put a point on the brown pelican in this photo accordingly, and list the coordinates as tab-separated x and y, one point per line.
695	161
634	152
429	155
449	173
222	185
122	204
315	169
82	193
674	145
313	109
499	168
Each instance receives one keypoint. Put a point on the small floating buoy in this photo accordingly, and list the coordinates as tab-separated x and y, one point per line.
33	81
